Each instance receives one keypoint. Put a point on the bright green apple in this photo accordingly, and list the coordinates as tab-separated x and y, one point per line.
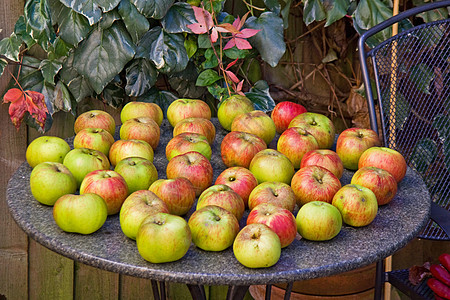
272	165
318	221
46	148
138	172
231	107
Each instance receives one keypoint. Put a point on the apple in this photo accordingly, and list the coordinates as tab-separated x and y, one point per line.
280	220
379	181
318	221
46	148
320	126
284	112
240	179
314	183
238	148
231	107
326	158
142	128
213	228
352	142
357	205
272	165
187	142
256	122
163	238
130	148
107	184
193	166
51	180
257	246
95	119
82	161
82	214
178	193
136	109
187	108
277	193
386	159
139	173
197	125
94	138
223	196
294	142
136	207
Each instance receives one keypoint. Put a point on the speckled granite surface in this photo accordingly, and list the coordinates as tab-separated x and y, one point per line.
109	249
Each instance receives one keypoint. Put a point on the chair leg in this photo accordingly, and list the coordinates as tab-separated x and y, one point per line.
379	280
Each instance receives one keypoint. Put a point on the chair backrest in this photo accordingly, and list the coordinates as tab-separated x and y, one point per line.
411	72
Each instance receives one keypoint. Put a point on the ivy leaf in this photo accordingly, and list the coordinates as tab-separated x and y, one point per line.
178	17
422	76
113	94
313	11
369	13
38	16
22	32
434	15
78	86
214	5
141	75
3	64
59	49
211	59
204	41
336	10
49	69
30	76
285	13
260	96
57	98
155	9
402	109
270	40
103	55
136	23
109	18
91	9
191	46
72	26
423	154
184	83
162	98
234	53
273	5
207	77
10	47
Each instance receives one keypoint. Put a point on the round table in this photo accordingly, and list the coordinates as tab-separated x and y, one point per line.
109	249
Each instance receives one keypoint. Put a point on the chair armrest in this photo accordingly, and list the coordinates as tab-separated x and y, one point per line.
441	216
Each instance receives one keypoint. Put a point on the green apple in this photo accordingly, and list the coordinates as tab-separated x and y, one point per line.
46	148
223	196
272	165
231	107
142	128
130	148
187	142
318	221
82	161
138	172
187	108
318	125
256	122
136	109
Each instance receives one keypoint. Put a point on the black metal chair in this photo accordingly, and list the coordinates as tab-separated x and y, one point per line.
411	75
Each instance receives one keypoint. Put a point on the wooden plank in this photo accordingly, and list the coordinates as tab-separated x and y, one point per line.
13	274
95	284
135	288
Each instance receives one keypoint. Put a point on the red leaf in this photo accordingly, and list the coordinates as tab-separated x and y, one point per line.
232	63
204	19
227	27
231	43
242	44
247	32
232	76
13	95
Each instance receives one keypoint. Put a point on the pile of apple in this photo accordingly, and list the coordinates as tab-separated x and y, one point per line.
102	176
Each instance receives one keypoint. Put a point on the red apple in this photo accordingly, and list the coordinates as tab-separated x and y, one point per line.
284	112
139	173
130	148
386	159
276	193
294	143
136	109
187	108
238	148
280	220
94	138
107	184
95	119
197	125
231	107
256	122
82	161
272	165
318	221
314	183
193	166
352	142
326	158
187	142
240	179
223	196
379	181
320	126
142	128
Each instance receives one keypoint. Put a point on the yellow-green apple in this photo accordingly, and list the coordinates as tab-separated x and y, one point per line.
193	166
197	125
280	220
83	214
357	205
187	142
240	179
178	193
139	173
46	148
326	158
231	107
238	148
136	109
276	193
256	122
51	180
187	108
352	142
213	228
314	183
379	181
142	128
257	246
94	138
318	221
384	158
107	184
130	148
95	119
136	207
272	165
294	142
82	161
284	112
163	238
320	126
223	196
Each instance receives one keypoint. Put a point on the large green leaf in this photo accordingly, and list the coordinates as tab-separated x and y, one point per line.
59	49
162	98
178	17
77	84
423	154
72	26
141	76
260	96
39	24
91	9
30	77
336	10
49	69
10	47
369	13
216	5
184	83
207	77
135	22
155	9
24	33
165	50
103	55
109	18
313	10
273	5
422	75
270	40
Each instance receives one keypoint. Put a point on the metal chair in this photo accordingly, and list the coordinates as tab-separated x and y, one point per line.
411	75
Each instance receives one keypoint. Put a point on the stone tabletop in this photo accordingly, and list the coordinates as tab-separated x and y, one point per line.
109	249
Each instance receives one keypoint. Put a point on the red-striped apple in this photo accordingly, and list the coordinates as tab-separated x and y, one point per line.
197	125
223	196
136	109
187	142
284	112
240	179
130	148
95	119
294	143
384	158
379	181
326	158
94	138
276	193
320	126
187	108
256	122
142	128
238	148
